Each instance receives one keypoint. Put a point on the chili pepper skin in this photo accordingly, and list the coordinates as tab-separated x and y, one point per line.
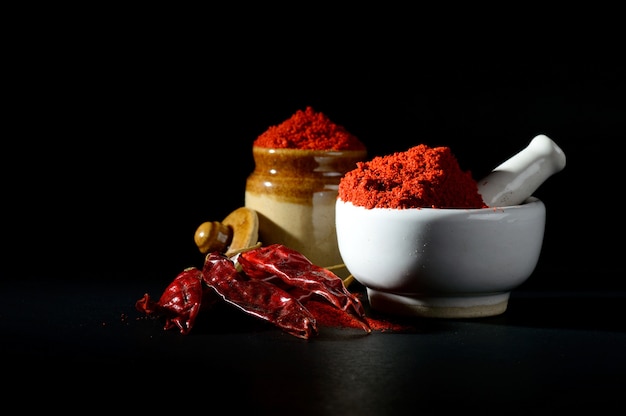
257	297
295	269
180	302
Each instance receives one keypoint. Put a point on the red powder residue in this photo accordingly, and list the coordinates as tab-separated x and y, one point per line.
308	130
328	315
421	177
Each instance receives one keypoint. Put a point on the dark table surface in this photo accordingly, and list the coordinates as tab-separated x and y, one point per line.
550	351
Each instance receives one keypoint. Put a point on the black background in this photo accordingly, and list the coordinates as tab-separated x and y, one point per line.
126	129
126	133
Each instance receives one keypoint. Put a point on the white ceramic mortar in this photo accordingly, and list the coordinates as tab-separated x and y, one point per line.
453	263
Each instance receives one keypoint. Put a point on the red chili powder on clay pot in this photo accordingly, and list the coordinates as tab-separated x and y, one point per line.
421	177
308	130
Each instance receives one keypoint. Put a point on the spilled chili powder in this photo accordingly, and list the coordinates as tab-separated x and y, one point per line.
308	130
421	177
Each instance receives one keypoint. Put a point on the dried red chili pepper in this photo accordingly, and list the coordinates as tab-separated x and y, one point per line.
257	297
294	269
180	303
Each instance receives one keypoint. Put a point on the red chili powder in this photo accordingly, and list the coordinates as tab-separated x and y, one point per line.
308	130
421	177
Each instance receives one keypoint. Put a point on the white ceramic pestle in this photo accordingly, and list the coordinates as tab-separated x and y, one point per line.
518	177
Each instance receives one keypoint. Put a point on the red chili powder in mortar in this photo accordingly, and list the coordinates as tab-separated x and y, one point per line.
421	177
308	130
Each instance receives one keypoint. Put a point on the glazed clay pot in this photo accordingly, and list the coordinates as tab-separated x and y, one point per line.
294	192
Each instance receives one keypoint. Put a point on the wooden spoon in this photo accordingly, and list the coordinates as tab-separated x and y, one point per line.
239	230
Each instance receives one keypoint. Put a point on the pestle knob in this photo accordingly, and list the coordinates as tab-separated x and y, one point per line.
518	177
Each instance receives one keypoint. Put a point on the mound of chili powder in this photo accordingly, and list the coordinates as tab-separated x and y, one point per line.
308	130
421	177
